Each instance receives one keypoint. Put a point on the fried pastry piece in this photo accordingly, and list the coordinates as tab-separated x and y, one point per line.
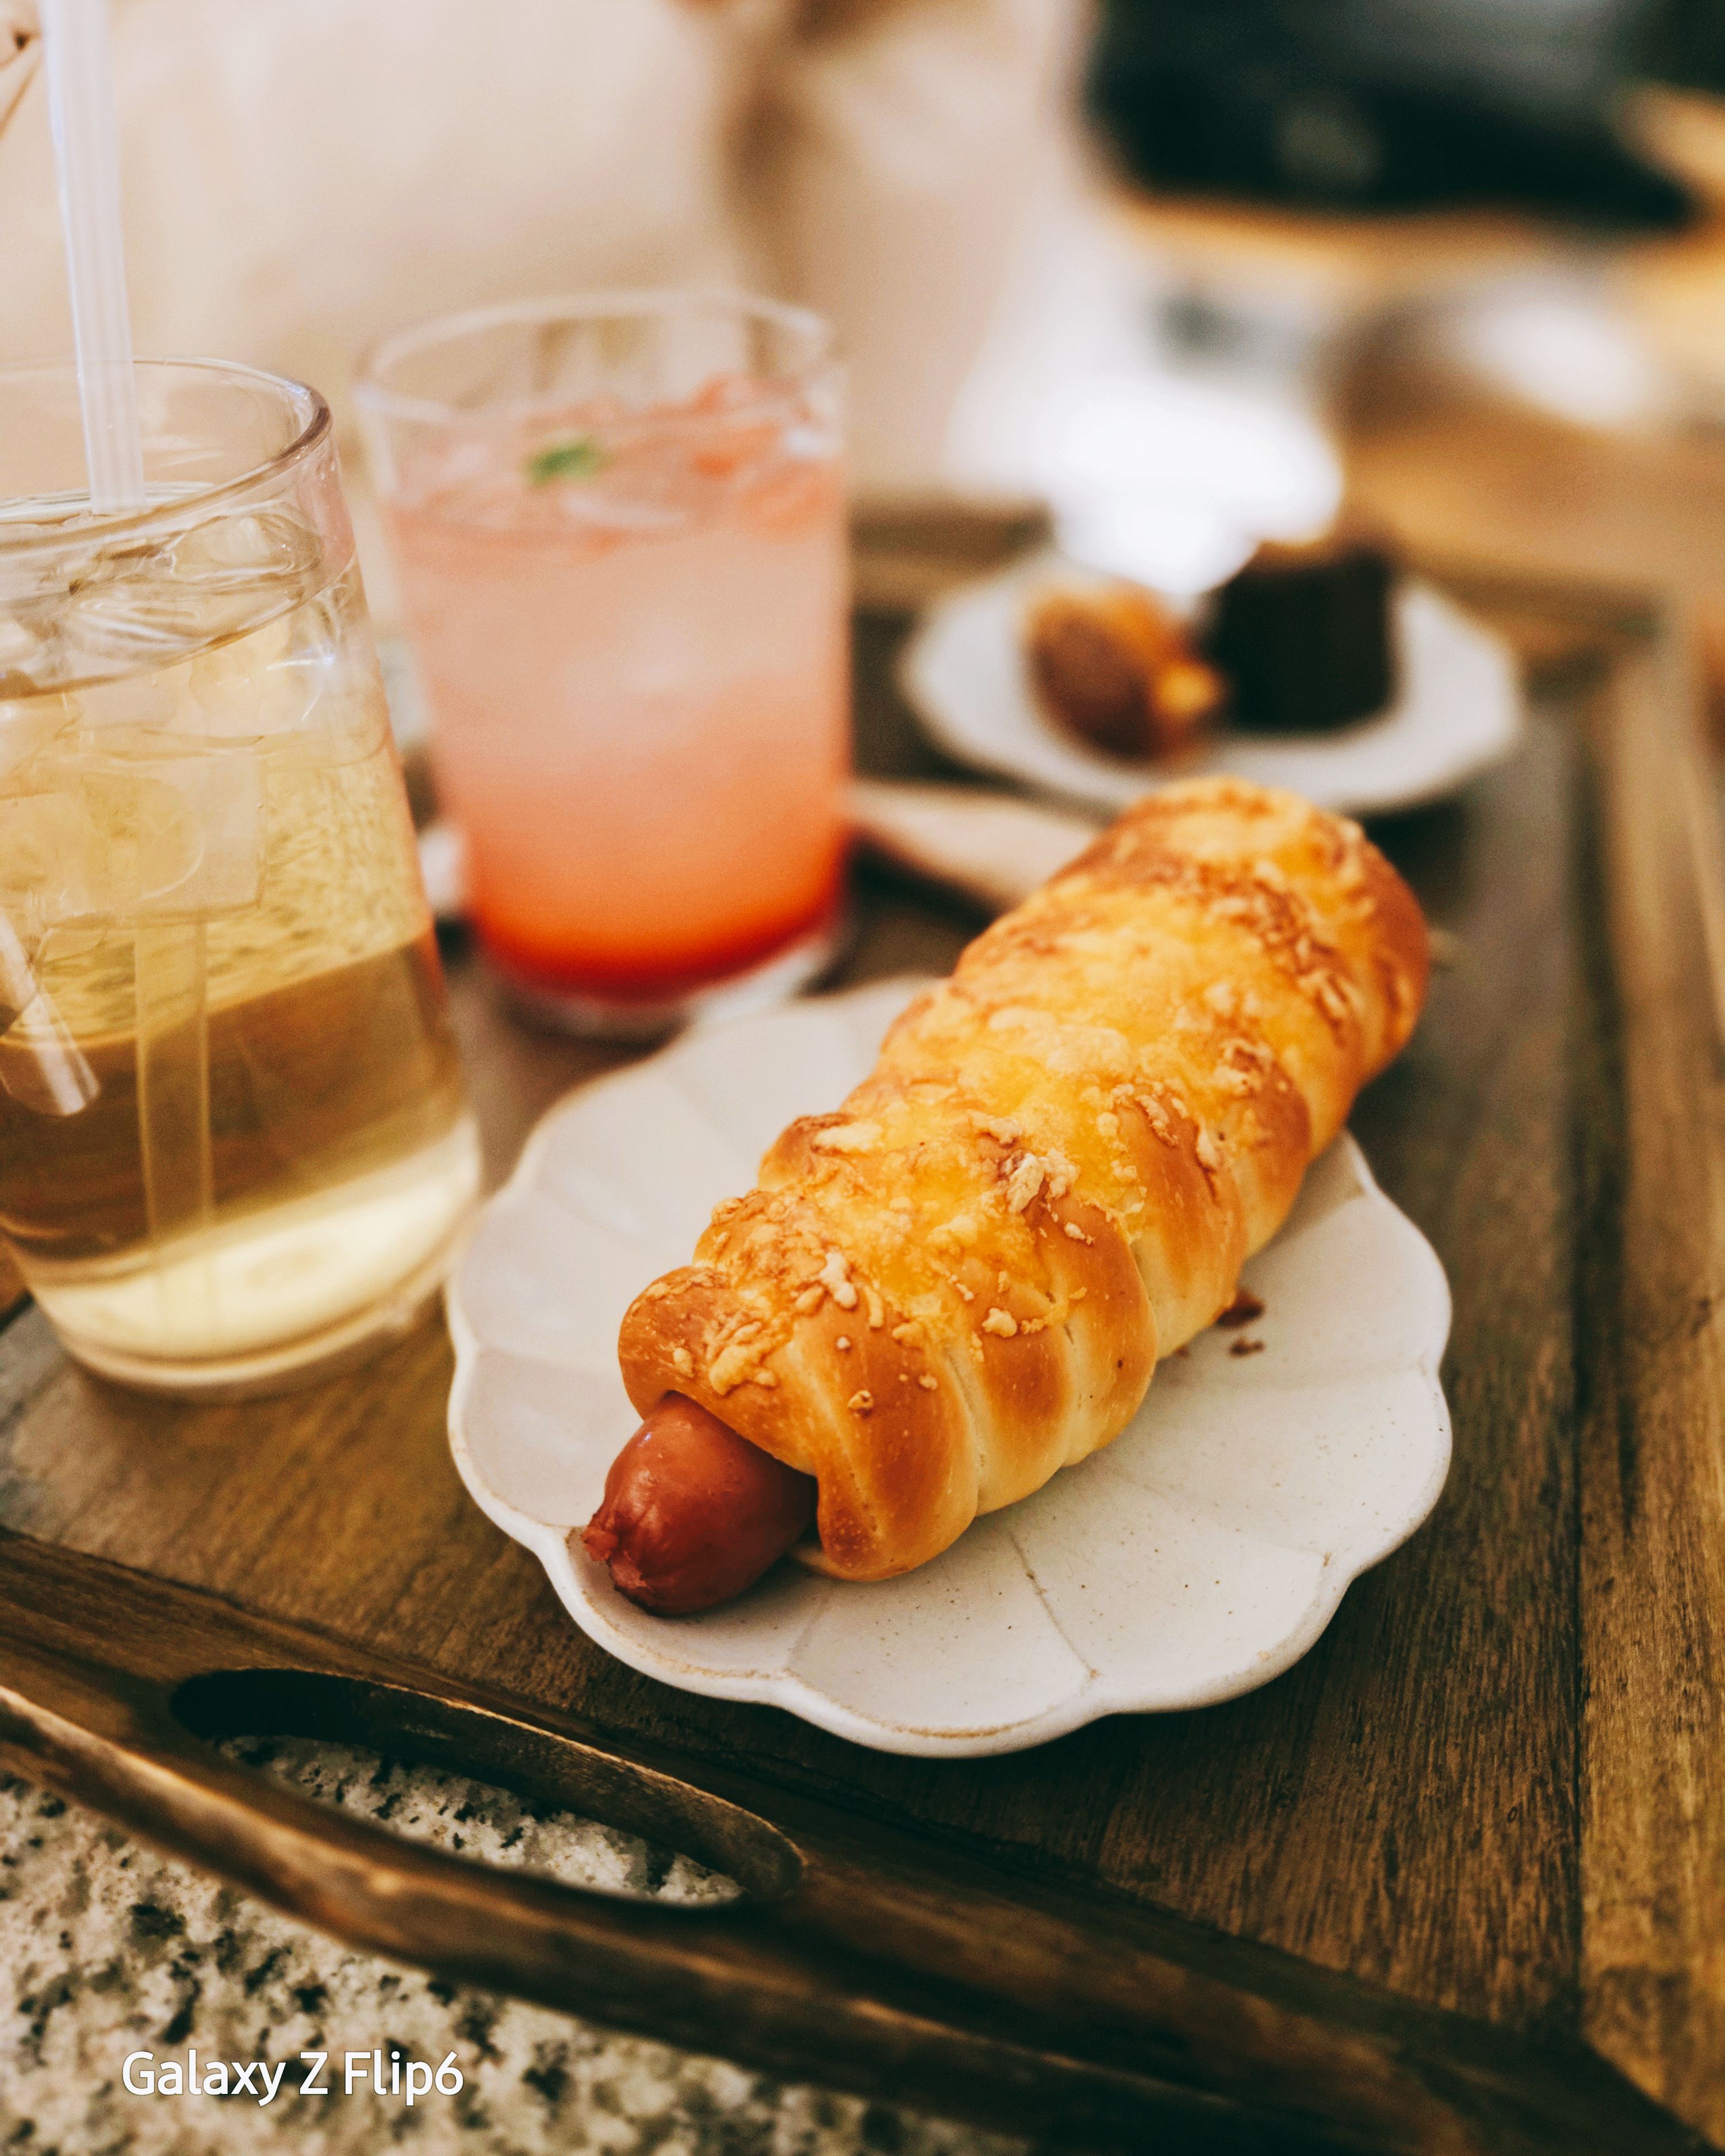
1113	666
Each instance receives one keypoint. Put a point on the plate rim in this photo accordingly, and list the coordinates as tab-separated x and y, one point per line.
1089	1701
909	677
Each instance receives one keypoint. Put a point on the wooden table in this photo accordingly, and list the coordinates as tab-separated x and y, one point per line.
1455	1883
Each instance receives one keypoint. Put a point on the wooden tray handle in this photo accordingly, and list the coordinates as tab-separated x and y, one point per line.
854	1950
137	1751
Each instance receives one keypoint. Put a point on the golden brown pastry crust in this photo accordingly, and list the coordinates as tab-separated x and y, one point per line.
961	1280
1111	665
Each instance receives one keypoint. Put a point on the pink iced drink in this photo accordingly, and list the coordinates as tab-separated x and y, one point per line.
632	630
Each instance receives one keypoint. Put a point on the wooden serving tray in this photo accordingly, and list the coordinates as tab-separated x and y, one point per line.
1455	1882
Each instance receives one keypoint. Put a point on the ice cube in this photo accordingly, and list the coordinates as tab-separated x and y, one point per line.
28	725
129	714
305	675
50	869
123	839
34	661
131	617
243	553
183	837
225	794
147	606
250	687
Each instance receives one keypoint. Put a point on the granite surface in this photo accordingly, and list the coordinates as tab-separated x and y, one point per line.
108	1949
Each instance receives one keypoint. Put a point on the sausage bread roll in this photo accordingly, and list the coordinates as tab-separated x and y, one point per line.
962	1278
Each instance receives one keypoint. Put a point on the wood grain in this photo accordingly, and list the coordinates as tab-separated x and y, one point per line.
1653	1433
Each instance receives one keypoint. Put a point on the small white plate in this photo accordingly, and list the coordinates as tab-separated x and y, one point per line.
1193	1559
1459	711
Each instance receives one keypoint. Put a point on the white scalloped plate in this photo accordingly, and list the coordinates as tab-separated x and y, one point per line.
1459	711
1195	1557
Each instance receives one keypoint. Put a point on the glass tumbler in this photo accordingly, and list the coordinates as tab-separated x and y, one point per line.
233	1145
619	527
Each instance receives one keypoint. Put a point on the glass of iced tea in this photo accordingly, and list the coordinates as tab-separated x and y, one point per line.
233	1145
618	526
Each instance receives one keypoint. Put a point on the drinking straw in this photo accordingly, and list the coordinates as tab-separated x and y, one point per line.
86	152
64	1083
169	956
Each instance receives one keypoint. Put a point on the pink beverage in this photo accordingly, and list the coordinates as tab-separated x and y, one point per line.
630	616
